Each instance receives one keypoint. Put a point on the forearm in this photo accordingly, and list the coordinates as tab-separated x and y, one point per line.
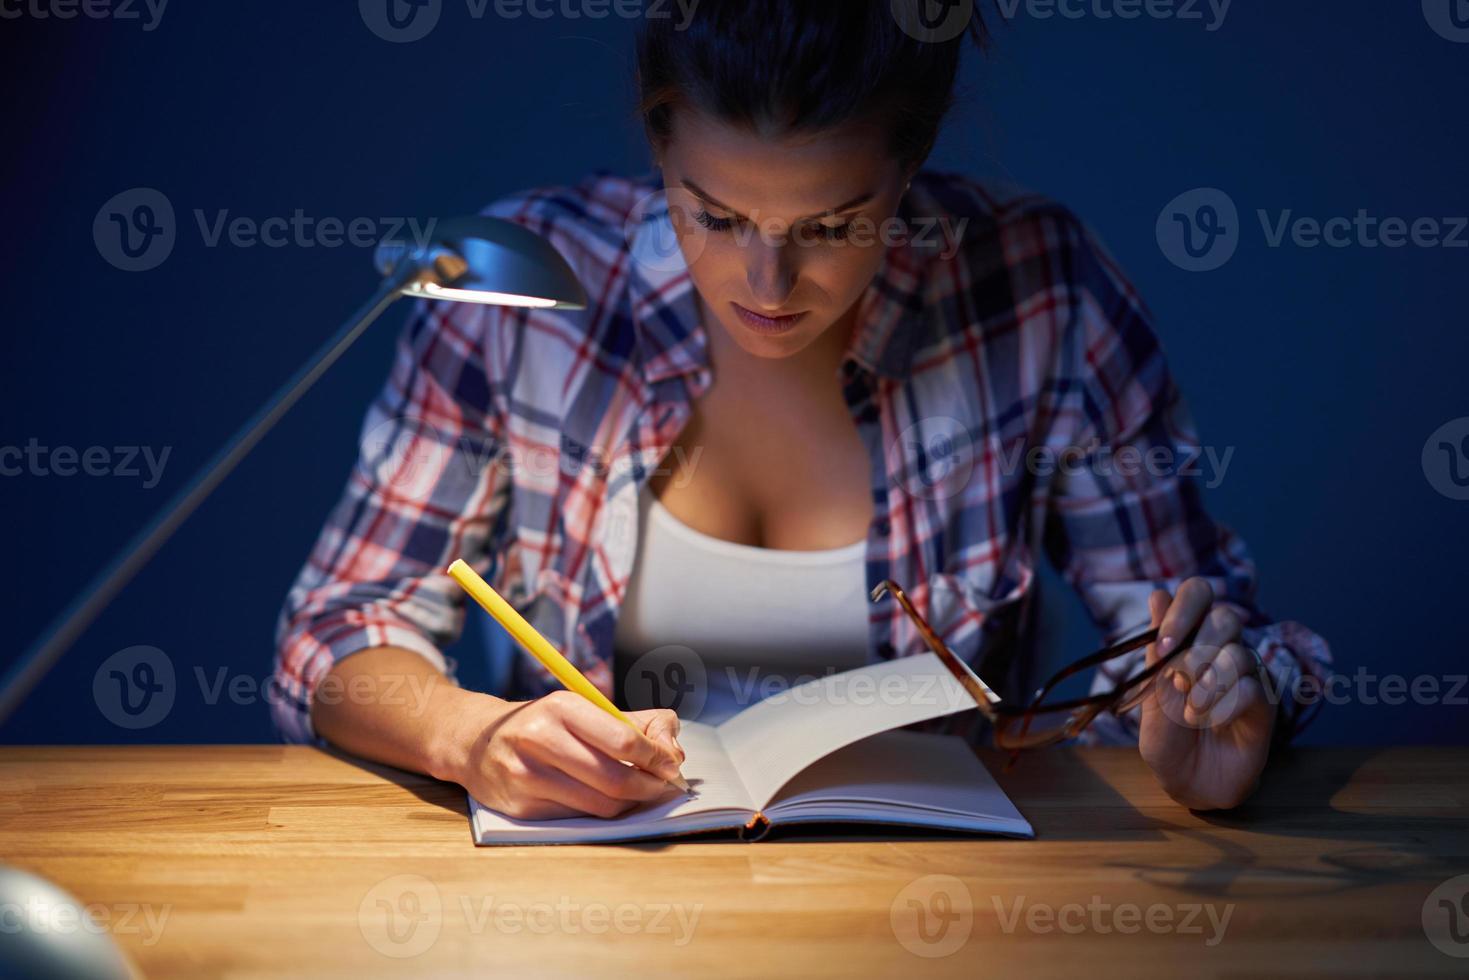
391	705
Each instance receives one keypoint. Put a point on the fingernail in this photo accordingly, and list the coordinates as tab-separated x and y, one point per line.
1199	696
1165	644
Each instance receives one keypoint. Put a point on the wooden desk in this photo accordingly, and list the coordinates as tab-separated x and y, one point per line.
274	860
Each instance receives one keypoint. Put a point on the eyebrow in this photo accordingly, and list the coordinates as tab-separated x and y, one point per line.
844	206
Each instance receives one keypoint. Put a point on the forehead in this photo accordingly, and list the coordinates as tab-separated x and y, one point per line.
797	173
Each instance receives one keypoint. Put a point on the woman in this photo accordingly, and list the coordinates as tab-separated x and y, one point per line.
846	372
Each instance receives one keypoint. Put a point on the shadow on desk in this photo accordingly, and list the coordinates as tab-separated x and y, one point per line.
1383	833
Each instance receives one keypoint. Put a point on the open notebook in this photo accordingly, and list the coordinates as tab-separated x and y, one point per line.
824	751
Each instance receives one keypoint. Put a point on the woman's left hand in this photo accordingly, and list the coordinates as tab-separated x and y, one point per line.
1206	723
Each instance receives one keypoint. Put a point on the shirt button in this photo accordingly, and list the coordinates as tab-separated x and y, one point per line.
886	650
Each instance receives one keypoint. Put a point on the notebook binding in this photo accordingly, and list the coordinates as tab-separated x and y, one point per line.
757	828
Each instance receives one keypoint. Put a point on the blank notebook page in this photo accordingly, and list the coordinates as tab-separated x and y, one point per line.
772	741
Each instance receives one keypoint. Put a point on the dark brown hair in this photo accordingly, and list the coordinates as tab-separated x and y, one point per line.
807	66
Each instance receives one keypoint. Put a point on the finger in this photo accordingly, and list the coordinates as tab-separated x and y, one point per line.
614	737
1233	701
1157	608
1184	670
606	775
1221	627
1190	671
1220	675
662	726
551	785
1168	699
530	809
1187	609
1188	675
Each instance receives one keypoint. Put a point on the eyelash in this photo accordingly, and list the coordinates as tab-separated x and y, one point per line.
703	217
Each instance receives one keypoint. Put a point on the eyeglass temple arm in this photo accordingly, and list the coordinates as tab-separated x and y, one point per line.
1095	660
1116	650
984	697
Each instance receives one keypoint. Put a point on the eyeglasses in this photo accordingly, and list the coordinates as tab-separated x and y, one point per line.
1043	722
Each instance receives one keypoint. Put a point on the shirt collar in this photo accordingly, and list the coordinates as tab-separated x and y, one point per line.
891	313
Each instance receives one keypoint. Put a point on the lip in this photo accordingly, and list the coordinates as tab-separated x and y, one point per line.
767	324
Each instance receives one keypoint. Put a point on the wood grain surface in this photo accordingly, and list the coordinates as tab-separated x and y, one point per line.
242	861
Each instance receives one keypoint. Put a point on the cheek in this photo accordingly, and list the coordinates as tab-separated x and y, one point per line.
843	271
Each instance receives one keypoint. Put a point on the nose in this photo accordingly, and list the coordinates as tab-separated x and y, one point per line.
770	270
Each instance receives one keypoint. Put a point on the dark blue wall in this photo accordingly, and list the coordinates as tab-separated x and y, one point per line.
1326	369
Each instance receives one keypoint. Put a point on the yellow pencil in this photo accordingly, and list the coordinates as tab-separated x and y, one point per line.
540	648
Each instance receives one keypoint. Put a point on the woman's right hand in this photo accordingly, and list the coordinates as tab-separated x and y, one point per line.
559	756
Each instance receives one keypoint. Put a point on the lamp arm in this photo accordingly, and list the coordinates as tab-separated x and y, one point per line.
26	672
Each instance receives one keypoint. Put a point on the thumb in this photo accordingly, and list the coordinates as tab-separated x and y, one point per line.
661	726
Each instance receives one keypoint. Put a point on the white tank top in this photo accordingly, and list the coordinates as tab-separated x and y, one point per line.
732	623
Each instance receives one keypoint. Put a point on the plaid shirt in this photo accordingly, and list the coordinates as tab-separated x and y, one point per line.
997	378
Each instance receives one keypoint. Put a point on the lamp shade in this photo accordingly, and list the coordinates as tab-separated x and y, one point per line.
479	259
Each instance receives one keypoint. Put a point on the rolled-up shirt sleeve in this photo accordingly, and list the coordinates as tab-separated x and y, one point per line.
425	490
1125	514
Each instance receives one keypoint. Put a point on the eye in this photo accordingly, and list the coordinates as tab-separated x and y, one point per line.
712	223
836	233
